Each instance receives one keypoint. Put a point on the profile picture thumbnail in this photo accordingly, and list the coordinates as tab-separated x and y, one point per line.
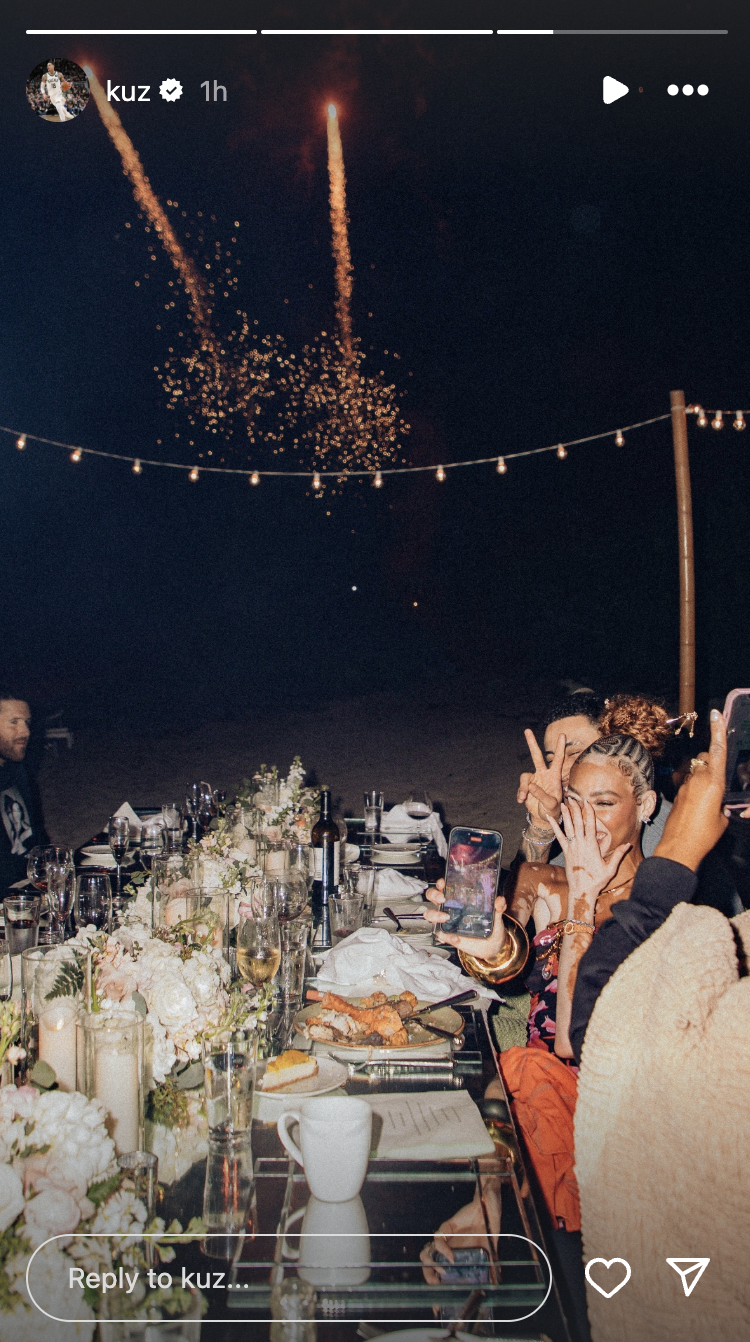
57	90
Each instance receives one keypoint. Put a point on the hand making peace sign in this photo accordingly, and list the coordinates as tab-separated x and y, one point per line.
542	791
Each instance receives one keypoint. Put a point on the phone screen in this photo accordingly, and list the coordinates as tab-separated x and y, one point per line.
737	717
471	875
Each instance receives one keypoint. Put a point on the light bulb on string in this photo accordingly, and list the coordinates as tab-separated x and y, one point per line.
702	417
619	438
317	483
739	420
562	451
76	454
137	468
439	473
501	467
193	474
378	481
255	478
21	441
718	420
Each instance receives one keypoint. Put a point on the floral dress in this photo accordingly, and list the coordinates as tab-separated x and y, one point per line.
542	984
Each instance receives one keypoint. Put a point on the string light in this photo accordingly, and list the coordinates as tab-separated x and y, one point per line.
317	482
739	420
137	468
255	478
378	481
562	451
718	420
439	473
76	454
619	438
501	467
702	417
21	441
193	474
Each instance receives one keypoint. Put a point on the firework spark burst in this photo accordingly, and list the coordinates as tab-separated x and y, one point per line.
342	255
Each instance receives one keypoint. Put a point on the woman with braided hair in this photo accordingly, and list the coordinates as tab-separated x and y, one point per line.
610	797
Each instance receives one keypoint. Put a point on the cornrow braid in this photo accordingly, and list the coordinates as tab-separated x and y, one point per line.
631	757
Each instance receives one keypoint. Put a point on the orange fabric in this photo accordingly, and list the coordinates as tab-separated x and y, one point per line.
543	1094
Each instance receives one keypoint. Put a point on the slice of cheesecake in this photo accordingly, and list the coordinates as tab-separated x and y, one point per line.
292	1065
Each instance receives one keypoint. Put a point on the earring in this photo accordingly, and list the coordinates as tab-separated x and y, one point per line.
647	819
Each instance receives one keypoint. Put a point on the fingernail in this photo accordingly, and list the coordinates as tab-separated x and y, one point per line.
715	715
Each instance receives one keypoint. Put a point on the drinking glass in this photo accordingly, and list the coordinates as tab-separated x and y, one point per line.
6	972
93	901
152	842
229	1060
258	948
418	805
226	1193
21	922
373	812
302	860
36	867
293	955
207	806
289	890
346	915
119	842
193	799
171	815
220	800
359	881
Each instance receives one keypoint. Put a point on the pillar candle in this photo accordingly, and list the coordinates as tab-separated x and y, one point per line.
116	1084
57	1042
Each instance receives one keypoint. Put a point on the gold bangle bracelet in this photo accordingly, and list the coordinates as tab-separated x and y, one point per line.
507	963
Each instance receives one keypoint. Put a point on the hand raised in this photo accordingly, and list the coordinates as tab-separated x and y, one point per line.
542	790
696	821
587	871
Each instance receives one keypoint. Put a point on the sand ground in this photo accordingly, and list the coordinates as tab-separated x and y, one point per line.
466	748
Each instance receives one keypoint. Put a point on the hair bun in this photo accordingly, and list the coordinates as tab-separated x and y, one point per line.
633	715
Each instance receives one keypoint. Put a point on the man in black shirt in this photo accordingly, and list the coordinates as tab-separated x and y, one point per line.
21	819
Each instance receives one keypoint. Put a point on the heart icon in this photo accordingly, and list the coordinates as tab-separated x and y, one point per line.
608	1264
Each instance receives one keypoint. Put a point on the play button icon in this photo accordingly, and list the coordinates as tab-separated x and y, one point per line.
612	89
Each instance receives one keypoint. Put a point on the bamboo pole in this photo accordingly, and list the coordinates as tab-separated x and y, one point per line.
685	542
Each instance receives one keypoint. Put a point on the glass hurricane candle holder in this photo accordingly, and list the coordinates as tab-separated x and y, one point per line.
53	994
171	875
111	1068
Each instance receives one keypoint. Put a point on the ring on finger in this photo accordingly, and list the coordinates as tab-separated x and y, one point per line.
698	764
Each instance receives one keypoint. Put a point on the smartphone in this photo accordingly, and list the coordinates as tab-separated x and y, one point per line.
470	1265
472	871
737	718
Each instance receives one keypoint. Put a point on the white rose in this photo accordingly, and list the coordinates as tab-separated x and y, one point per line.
53	1212
203	980
211	873
173	1003
11	1197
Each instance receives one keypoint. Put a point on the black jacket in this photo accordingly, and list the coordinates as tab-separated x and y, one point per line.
21	822
659	884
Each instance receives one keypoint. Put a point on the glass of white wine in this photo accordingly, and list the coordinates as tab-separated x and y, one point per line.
259	948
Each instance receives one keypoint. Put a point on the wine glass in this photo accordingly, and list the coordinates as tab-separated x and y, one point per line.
418	805
60	891
93	901
152	842
119	842
289	890
220	800
6	972
193	799
259	948
206	806
302	860
36	867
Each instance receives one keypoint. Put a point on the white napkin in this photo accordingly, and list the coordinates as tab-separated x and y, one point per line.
372	959
127	810
390	884
396	823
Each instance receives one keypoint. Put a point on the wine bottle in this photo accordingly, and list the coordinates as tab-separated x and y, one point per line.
326	842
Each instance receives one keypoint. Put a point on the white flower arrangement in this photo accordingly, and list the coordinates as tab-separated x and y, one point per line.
297	809
59	1177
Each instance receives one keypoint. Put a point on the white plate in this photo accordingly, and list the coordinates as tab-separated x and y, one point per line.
330	1076
97	850
397	857
424	1044
103	859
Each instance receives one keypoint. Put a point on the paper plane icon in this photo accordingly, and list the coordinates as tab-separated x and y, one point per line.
685	1266
612	89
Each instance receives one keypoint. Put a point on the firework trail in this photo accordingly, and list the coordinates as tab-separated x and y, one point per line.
144	195
339	226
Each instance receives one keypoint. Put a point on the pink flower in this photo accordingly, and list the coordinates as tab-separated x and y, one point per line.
116	984
52	1212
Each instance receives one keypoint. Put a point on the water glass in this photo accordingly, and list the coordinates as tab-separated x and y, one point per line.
21	922
152	842
141	1169
373	812
346	915
226	1193
293	1310
302	860
229	1060
93	901
360	881
6	973
293	956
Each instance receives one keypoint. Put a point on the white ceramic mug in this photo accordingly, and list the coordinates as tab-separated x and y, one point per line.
334	1243
334	1144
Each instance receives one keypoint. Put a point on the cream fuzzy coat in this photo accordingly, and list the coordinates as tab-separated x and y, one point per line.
662	1134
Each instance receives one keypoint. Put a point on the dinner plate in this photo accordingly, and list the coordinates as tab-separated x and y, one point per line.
97	850
393	856
330	1076
419	1037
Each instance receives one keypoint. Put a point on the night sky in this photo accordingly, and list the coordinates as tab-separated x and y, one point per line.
545	266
